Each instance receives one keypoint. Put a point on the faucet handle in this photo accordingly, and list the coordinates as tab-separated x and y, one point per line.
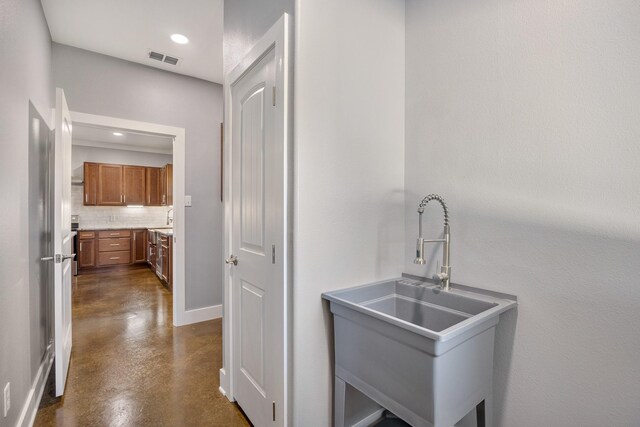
442	274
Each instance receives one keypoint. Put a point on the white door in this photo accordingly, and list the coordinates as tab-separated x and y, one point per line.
62	241
258	234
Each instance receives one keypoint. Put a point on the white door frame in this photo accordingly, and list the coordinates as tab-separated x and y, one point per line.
279	35
179	309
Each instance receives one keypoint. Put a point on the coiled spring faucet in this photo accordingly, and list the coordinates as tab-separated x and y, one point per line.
444	276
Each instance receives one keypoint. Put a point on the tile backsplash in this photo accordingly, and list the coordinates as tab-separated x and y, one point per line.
116	216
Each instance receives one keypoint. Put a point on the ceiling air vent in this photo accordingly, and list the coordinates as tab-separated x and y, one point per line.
162	57
171	60
155	55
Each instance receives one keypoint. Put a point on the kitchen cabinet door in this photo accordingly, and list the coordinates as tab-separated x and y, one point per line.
169	184
110	185
163	186
166	185
90	184
139	246
134	185
153	188
87	253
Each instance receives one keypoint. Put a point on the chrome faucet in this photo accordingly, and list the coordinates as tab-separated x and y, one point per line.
170	217
444	276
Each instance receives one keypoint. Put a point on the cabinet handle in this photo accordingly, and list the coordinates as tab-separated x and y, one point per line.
114	234
80	246
122	199
114	244
86	197
114	257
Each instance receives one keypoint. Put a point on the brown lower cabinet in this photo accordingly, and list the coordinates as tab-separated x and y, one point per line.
87	252
106	248
114	258
139	246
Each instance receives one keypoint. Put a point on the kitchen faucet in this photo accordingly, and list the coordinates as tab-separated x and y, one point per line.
444	276
170	217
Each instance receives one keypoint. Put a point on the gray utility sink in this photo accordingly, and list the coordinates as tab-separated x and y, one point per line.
420	352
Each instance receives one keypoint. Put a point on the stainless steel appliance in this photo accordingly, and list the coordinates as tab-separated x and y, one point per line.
160	249
154	252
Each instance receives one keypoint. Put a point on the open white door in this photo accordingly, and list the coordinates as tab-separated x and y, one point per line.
257	279
62	241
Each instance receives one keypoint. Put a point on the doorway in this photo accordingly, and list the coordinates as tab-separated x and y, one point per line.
176	216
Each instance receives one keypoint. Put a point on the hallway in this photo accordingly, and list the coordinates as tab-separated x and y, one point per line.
131	367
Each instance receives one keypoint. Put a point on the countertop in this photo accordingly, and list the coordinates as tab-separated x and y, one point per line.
125	228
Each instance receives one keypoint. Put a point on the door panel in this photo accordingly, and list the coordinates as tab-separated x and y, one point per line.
110	185
169	184
62	242
256	226
153	190
87	255
139	246
134	185
252	171
90	184
252	335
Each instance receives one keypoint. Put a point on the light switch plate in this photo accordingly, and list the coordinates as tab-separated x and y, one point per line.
187	201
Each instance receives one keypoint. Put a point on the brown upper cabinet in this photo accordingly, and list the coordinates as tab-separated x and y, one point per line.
153	187
118	185
166	180
90	184
134	185
110	185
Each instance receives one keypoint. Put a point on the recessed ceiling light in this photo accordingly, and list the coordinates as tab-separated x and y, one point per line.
179	38
118	133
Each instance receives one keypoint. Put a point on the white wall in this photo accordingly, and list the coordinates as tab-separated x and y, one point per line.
349	173
103	85
524	116
245	22
25	75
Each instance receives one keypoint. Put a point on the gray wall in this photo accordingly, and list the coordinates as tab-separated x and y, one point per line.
349	174
99	84
245	21
81	154
524	116
25	76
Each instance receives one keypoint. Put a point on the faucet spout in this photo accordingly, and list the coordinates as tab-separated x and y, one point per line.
444	276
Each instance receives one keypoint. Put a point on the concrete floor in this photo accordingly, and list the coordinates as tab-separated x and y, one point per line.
131	367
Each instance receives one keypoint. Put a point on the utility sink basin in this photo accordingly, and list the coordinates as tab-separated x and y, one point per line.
420	352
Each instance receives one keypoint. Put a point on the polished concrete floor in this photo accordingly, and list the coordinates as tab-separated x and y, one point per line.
131	367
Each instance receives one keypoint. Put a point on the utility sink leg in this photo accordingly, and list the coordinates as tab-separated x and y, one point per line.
480	420
340	390
484	412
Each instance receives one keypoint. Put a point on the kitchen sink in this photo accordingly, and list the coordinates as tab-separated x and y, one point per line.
423	353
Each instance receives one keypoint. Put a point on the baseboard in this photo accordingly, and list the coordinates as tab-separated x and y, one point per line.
202	314
30	408
369	419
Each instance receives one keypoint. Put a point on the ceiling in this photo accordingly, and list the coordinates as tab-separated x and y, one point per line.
128	29
102	137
